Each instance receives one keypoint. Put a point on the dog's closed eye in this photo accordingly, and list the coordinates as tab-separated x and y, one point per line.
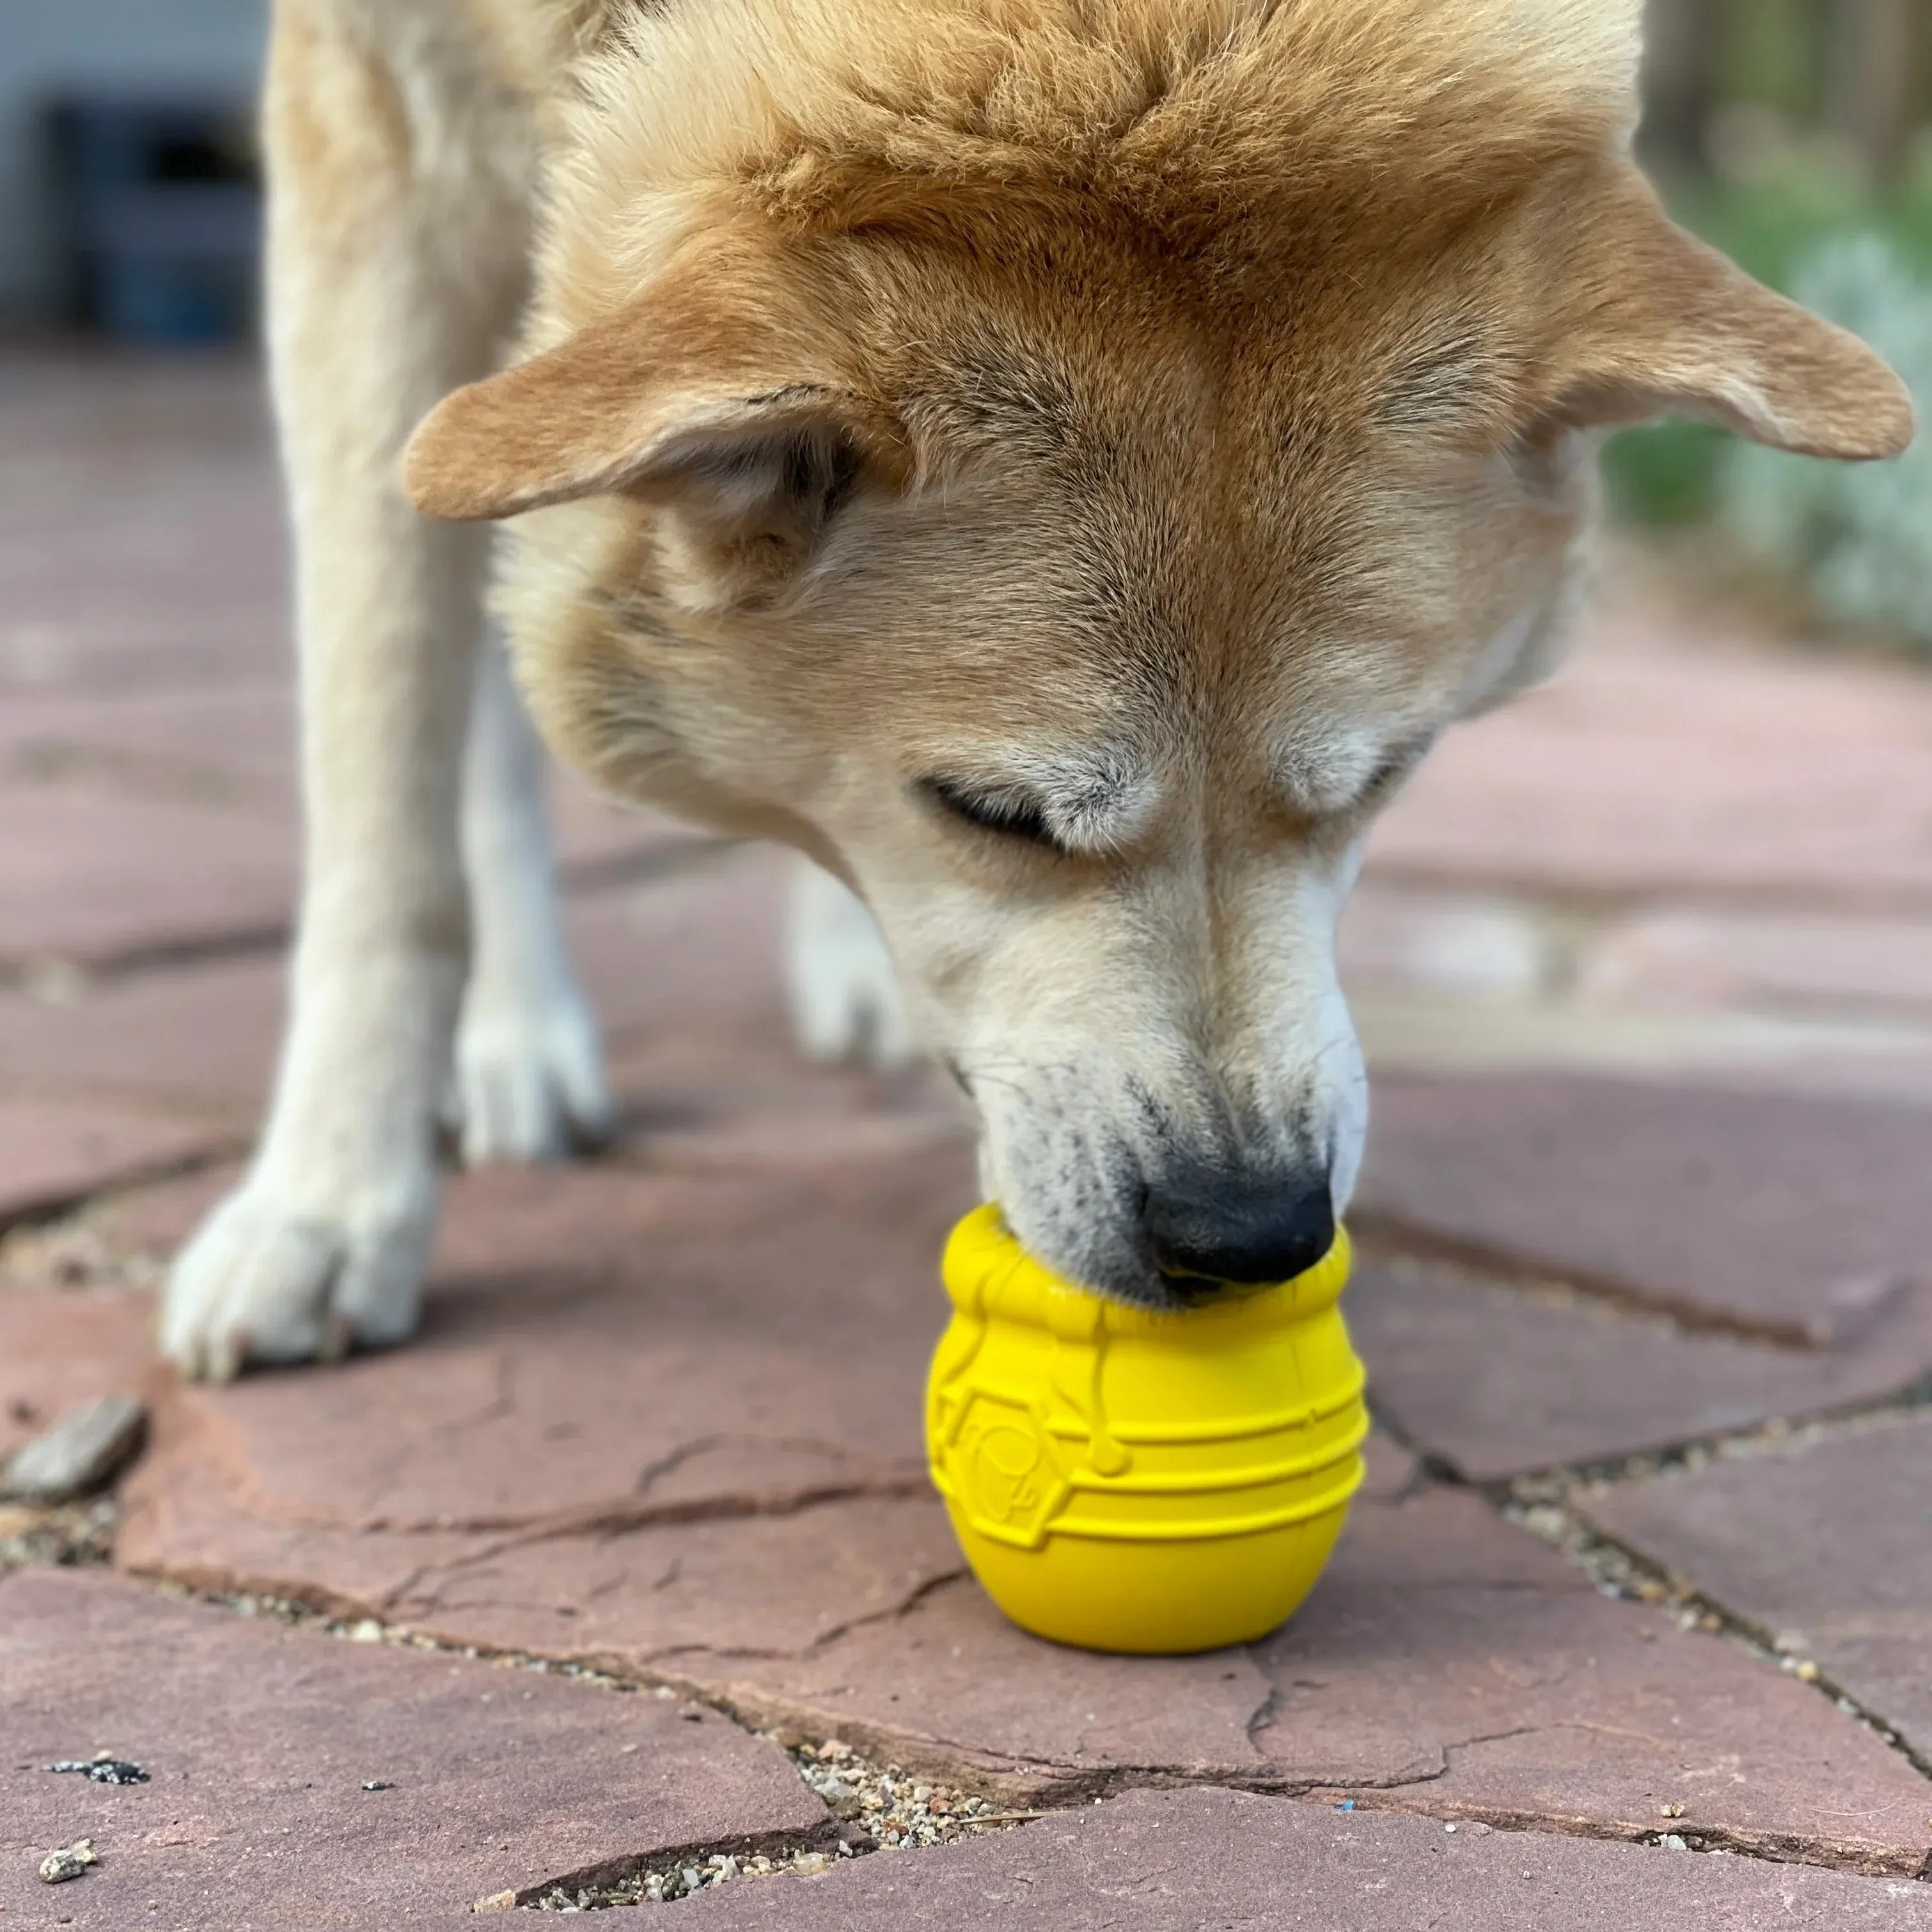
1011	813
1391	773
1337	793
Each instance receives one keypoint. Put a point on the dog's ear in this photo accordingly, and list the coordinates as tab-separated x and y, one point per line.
1666	326
750	440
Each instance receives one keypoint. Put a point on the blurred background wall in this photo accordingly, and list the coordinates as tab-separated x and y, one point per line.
195	61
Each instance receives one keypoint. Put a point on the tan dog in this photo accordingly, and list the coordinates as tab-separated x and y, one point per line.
1058	464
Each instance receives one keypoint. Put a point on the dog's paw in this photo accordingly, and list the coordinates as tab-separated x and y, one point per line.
529	1081
271	1278
845	1001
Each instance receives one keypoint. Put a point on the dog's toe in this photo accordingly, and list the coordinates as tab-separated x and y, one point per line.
265	1281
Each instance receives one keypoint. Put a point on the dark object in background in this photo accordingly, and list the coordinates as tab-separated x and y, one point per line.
158	214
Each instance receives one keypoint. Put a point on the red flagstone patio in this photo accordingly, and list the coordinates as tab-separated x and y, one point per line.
1629	1627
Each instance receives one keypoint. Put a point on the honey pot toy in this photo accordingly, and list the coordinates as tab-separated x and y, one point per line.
1127	1480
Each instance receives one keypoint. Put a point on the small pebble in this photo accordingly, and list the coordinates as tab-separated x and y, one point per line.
377	1784
57	1867
79	1453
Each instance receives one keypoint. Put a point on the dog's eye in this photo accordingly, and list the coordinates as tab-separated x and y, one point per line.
1392	769
1009	813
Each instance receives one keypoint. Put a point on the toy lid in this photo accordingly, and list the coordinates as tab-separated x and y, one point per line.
988	1275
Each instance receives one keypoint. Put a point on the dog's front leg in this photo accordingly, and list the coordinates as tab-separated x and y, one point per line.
397	236
846	1004
529	1081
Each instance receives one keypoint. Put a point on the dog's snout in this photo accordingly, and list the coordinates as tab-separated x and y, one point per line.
1239	1230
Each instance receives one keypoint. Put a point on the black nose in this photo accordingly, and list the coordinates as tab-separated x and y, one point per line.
1240	1229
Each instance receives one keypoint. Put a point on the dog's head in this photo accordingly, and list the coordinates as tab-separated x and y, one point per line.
1062	467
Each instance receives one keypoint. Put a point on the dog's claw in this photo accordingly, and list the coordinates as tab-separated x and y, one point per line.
270	1277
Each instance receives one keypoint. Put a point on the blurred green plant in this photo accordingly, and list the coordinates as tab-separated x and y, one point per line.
1859	534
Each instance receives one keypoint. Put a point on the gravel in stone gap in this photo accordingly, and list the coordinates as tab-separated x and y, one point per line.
1553	1507
882	1807
72	1533
74	1252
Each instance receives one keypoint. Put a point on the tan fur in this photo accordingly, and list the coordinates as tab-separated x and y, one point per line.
1159	417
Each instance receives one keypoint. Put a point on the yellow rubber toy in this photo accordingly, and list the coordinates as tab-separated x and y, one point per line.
1128	1481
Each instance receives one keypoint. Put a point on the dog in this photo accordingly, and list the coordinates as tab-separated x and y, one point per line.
1056	464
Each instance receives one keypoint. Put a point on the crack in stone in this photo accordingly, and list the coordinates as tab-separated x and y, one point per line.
1832	1423
585	877
1048	1786
613	1870
1579	1541
1770	1847
1261	1718
616	1515
1385	1237
57	1203
675	1460
502	1402
893	1613
825	1640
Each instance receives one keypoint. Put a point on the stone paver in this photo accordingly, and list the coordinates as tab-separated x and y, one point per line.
686	976
1660	764
1826	1548
1804	961
1496	1381
141	543
232	746
259	1742
1800	1219
119	852
58	1349
507	1483
1216	1860
200	1042
593	1347
594	1355
88	876
1447	1663
52	1152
